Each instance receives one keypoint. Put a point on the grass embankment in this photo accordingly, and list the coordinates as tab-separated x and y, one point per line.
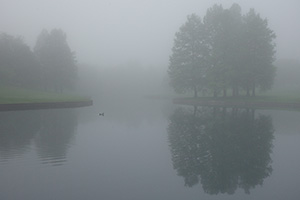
14	95
282	100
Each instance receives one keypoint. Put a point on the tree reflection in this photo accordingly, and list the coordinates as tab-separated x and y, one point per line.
51	131
224	149
55	136
16	132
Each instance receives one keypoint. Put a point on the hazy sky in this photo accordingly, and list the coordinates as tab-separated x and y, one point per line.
116	31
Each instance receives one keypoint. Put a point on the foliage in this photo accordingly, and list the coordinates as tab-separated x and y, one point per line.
18	65
230	50
57	60
188	63
51	65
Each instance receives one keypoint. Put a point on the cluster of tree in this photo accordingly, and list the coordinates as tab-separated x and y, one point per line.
224	149
225	50
18	64
51	65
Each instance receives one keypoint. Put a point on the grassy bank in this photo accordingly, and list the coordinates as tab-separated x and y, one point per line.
10	95
272	100
280	96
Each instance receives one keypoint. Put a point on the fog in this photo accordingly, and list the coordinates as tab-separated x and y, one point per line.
108	35
134	143
116	31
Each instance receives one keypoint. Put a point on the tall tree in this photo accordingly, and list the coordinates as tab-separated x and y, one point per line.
258	37
213	23
18	65
188	62
226	50
57	59
224	26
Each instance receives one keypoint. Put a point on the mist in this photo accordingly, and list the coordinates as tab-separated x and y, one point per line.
112	33
146	136
122	48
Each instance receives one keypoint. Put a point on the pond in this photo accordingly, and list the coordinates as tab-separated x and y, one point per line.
150	150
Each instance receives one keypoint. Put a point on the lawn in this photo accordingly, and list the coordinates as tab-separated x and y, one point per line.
288	100
9	95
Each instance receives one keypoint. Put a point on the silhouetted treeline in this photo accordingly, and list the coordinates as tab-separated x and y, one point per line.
224	50
51	65
18	64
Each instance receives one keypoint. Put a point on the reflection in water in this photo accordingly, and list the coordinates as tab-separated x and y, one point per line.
16	132
222	148
51	131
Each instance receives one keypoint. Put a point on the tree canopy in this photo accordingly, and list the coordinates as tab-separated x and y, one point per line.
224	50
57	59
188	63
18	65
51	65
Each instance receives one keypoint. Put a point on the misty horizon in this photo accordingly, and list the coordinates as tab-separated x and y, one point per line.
111	33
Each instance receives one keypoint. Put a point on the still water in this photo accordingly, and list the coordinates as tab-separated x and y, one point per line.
149	151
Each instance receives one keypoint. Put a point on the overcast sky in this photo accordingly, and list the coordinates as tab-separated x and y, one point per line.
104	32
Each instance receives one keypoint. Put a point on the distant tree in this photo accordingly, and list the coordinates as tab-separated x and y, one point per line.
216	74
260	51
57	60
234	54
18	65
188	62
225	27
226	50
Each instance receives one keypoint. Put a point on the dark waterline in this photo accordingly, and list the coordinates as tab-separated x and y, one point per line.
44	105
130	154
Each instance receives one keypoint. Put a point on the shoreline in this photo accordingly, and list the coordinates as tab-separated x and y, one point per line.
44	105
238	104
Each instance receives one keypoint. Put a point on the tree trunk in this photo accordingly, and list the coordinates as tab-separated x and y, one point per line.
195	92
235	91
253	89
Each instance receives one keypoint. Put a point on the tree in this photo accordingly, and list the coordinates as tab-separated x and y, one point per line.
225	31
57	60
259	68
226	50
213	23
18	65
188	62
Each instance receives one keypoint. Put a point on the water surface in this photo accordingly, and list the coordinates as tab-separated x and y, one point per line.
149	151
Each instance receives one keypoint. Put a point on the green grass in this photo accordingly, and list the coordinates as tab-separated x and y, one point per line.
9	95
271	96
281	96
285	100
